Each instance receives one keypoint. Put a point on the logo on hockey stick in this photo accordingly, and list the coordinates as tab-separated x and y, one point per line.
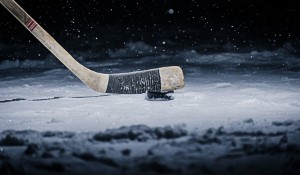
30	24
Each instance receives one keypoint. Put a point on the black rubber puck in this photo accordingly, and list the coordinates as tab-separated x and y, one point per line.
159	96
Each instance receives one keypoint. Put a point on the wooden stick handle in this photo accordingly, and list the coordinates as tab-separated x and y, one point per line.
87	76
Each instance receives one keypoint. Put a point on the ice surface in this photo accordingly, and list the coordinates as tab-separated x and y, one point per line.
221	88
236	107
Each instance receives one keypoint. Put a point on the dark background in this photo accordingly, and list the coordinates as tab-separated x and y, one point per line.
107	24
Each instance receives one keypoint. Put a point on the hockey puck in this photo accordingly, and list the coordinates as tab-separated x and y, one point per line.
159	96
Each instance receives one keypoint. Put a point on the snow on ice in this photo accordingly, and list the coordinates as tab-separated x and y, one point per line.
236	107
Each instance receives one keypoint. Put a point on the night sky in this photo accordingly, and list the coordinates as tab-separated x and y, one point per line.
110	23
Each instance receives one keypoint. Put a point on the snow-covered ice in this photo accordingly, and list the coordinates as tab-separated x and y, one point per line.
220	89
236	107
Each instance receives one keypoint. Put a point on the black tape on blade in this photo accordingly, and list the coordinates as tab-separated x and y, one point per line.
134	83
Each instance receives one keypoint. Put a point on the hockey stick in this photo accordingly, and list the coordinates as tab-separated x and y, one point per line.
157	80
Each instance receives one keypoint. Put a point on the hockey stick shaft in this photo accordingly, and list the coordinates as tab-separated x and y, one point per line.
161	79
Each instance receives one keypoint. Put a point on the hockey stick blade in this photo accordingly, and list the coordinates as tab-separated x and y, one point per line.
155	80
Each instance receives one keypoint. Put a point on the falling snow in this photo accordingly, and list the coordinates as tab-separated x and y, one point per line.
239	109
